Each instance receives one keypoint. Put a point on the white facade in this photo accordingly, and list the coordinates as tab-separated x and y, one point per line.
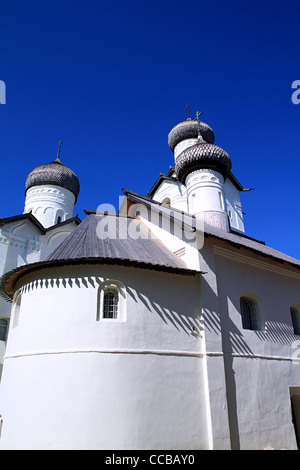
205	196
111	352
175	194
23	242
176	370
113	379
30	237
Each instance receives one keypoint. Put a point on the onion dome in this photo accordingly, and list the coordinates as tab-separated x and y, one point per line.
54	173
190	129
202	155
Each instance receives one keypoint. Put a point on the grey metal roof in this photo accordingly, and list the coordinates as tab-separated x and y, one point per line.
104	236
85	246
53	173
234	238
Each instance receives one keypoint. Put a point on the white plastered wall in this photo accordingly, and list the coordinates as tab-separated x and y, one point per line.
70	381
260	366
177	193
21	242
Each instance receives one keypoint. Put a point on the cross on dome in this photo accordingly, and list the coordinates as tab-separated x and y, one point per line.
58	152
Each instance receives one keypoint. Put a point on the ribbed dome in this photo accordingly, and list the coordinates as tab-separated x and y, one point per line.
53	173
190	129
202	155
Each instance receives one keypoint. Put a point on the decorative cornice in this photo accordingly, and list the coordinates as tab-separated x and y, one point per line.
241	258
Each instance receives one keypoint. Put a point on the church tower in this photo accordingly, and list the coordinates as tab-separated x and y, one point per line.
51	192
203	168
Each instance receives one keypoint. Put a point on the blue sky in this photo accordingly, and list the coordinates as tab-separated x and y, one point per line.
110	79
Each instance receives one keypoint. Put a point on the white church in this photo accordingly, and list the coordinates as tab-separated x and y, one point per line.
164	326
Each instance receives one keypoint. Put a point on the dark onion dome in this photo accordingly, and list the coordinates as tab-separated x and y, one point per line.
53	173
202	155
189	129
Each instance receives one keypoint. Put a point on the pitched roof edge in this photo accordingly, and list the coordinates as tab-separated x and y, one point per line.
168	177
27	215
231	237
75	219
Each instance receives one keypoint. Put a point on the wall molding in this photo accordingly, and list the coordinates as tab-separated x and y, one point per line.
241	258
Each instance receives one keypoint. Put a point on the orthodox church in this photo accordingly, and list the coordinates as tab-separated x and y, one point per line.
163	326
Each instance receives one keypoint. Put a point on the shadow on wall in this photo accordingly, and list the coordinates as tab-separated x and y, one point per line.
182	322
277	332
62	282
234	339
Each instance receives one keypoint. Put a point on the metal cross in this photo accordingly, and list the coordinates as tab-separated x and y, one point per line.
58	152
188	110
198	114
198	120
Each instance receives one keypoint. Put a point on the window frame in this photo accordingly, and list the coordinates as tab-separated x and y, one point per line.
252	321
110	286
110	306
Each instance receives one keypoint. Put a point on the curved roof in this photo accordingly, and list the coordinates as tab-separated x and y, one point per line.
190	129
202	155
53	173
115	244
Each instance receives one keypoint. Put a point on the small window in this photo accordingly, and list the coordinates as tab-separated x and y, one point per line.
3	329
251	318
295	314
110	303
59	217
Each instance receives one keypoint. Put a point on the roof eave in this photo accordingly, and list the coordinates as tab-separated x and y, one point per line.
9	280
28	216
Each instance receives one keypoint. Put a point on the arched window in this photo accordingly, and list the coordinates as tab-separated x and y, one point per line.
251	315
59	217
110	302
3	329
295	314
